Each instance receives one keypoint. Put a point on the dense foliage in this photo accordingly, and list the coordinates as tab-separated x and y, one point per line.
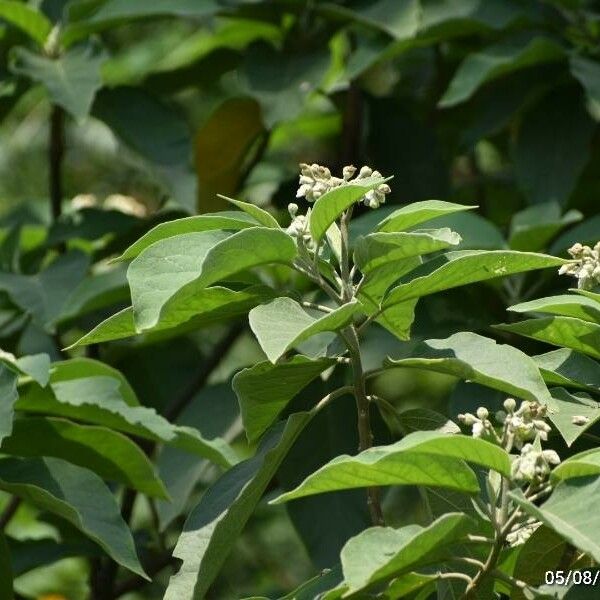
225	375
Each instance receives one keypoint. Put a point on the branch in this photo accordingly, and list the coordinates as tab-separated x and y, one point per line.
56	151
9	512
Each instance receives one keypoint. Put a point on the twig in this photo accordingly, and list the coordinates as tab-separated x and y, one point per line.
9	511
56	151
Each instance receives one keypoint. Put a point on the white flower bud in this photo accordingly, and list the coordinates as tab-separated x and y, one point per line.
348	172
482	413
510	404
580	420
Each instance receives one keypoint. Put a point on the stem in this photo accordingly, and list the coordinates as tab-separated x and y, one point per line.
9	512
365	435
56	151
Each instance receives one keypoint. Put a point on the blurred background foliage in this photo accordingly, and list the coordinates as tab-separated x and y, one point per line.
119	114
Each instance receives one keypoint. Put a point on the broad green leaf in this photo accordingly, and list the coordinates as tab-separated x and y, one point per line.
326	522
44	295
71	80
418	212
533	228
481	360
459	268
425	419
399	318
567	512
583	464
215	524
587	72
400	20
568	368
27	19
77	495
334	202
188	263
405	584
214	412
549	160
309	590
109	454
226	220
565	305
542	552
98	291
282	82
421	458
379	554
259	214
585	232
8	397
570	332
588	294
517	52
476	232
568	406
265	389
99	399
36	366
282	324
192	310
378	249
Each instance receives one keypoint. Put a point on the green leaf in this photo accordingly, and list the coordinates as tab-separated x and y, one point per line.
215	524
109	454
567	512
566	406
101	400
379	554
549	160
309	590
334	202
565	305
418	212
77	495
421	458
541	553
400	20
256	212
193	310
425	419
569	368
8	397
587	72
576	334
265	389
188	263
583	464
585	232
459	268
378	249
533	228
36	366
27	19
71	80
325	522
477	232
226	220
282	324
480	360
517	52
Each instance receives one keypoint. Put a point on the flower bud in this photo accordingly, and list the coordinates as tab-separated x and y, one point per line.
580	420
482	413
510	404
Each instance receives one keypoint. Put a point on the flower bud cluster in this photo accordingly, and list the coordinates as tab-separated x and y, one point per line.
316	180
586	267
533	466
299	227
479	423
525	423
521	532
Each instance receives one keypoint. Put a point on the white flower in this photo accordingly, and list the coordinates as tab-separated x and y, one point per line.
585	267
533	465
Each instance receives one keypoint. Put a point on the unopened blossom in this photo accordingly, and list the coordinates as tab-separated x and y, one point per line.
299	227
585	267
525	423
521	532
533	466
316	180
480	424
